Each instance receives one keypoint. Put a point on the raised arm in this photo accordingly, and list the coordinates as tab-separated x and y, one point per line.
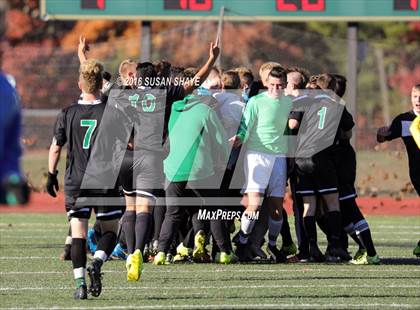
82	49
204	72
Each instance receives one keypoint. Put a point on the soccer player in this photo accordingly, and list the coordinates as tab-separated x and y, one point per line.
77	126
13	186
191	170
400	128
354	222
296	81
319	123
262	127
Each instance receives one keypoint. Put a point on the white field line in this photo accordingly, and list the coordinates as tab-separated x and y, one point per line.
182	288
303	270
65	225
236	306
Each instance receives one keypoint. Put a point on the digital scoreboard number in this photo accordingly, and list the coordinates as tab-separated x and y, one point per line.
241	10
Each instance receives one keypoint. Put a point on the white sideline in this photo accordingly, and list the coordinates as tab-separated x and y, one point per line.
133	288
231	306
303	270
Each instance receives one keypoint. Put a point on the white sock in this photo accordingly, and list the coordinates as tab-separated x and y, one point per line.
79	273
99	254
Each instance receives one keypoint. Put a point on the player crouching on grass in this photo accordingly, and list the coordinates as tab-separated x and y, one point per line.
404	126
262	127
76	126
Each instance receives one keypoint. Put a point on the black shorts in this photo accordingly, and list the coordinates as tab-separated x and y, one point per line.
142	175
316	175
108	205
345	164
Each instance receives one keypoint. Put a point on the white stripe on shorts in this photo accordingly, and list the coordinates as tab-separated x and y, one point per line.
327	190
108	213
347	197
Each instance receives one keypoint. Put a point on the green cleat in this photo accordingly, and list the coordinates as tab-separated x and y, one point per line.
416	251
199	246
225	258
136	266
289	250
360	252
373	260
160	258
366	260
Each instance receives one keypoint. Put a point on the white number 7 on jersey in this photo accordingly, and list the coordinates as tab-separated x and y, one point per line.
322	114
91	124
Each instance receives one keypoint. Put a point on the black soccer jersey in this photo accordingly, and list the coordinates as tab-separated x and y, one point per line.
77	125
320	119
400	128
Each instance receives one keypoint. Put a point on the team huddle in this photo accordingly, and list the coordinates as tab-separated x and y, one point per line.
168	167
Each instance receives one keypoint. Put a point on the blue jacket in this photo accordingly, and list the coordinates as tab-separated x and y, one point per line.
10	129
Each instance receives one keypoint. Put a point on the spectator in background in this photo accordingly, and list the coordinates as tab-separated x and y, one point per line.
13	186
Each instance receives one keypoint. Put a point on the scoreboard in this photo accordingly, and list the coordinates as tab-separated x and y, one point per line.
244	10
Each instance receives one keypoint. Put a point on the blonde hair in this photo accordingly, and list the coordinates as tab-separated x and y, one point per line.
266	68
91	76
122	70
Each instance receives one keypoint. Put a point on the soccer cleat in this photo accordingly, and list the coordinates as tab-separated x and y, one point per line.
119	252
169	259
95	277
136	266
81	292
276	255
339	253
154	249
315	254
416	251
225	258
91	242
360	252
182	253
244	253
160	258
289	249
200	254
366	260
257	252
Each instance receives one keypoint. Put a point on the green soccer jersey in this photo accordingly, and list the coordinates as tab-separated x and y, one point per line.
264	122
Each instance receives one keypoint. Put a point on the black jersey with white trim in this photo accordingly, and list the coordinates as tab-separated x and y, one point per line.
77	126
400	128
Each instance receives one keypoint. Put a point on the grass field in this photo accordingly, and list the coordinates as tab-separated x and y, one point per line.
31	276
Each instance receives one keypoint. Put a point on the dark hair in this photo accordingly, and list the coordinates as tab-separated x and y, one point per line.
340	84
145	70
303	73
163	68
106	76
231	80
279	73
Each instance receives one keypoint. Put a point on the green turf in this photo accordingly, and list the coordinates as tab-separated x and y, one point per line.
31	276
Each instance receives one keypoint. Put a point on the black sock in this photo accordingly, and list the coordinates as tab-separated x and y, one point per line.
143	221
310	229
334	227
323	225
158	217
357	240
285	230
107	243
78	253
368	242
129	224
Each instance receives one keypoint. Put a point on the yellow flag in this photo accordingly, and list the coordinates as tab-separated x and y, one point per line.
415	130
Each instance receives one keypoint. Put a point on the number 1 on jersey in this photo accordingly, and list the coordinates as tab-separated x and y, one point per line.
322	114
91	124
